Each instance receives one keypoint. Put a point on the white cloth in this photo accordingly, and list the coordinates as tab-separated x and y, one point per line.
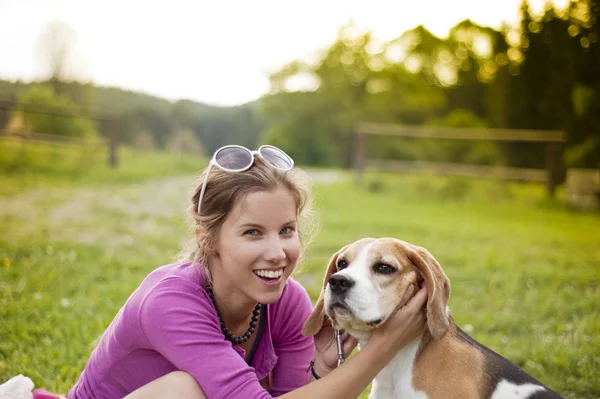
18	387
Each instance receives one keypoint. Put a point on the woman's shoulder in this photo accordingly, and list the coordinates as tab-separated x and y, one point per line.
293	306
191	274
172	293
294	287
171	283
293	292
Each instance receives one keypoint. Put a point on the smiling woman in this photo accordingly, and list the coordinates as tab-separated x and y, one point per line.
226	321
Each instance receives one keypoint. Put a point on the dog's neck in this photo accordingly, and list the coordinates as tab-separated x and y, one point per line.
363	338
395	379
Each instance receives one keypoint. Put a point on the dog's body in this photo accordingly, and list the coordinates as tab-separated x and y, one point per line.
371	279
456	366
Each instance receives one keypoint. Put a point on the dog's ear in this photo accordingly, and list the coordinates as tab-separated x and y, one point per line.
438	289
315	321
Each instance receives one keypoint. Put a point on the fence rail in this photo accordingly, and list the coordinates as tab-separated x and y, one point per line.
553	141
452	133
50	139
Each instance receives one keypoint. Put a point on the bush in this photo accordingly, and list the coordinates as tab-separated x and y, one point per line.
52	122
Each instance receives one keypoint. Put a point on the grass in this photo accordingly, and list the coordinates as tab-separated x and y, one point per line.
27	165
524	270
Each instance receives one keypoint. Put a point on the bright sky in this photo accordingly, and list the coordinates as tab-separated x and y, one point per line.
219	51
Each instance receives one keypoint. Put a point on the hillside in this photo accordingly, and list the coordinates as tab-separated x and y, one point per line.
153	122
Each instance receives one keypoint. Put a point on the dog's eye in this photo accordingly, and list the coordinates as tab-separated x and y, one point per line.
342	264
383	268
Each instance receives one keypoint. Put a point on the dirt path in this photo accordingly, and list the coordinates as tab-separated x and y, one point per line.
116	215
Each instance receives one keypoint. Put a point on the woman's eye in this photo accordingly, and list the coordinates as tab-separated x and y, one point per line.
251	232
342	264
384	269
287	230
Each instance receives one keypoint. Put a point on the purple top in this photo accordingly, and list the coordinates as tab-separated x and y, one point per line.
169	323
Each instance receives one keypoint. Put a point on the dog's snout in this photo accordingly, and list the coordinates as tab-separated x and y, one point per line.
340	283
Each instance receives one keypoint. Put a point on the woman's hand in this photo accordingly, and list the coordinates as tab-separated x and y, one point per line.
326	348
406	324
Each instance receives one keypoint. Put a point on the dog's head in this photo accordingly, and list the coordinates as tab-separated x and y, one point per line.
366	282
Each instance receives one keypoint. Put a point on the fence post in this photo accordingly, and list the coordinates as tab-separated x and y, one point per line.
113	141
553	151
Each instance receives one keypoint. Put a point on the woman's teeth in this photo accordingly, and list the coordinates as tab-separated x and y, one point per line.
269	273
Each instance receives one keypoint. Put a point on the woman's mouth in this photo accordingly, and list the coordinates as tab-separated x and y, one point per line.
269	276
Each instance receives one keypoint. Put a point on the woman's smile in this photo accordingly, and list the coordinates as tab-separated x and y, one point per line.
270	277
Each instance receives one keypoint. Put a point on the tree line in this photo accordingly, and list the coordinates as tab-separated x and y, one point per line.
542	74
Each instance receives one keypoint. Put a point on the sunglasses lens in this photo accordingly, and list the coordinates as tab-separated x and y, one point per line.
233	158
277	158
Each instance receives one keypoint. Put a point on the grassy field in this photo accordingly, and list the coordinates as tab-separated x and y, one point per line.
525	270
29	165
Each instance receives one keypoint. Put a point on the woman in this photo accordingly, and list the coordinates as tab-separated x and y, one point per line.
226	323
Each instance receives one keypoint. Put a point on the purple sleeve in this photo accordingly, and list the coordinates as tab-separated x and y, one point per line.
294	351
178	323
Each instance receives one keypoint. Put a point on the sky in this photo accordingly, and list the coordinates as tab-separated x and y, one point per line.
219	52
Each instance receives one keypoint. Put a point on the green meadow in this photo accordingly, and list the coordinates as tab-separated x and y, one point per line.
76	238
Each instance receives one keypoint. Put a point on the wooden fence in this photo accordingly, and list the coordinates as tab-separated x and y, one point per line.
112	143
553	143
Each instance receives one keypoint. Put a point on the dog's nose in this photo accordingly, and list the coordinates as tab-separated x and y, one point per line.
340	283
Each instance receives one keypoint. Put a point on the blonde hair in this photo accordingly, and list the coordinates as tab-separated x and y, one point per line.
225	189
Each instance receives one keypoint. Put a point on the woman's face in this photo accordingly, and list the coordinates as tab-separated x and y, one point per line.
257	247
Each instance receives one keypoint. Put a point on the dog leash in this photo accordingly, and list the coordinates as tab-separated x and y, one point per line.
340	354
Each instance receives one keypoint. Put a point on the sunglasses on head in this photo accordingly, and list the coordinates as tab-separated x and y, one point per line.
235	158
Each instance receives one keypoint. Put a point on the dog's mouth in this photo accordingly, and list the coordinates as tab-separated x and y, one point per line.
339	310
339	305
343	315
375	323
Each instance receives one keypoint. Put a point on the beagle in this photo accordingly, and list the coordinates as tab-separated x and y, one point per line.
366	281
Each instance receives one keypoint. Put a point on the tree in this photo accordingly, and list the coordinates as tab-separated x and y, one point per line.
355	82
540	95
55	48
584	30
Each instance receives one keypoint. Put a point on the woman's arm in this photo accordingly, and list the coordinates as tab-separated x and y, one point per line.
178	325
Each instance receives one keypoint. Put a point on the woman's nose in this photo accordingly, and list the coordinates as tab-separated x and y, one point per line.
275	250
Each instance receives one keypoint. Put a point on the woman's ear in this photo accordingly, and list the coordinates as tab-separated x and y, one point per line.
315	321
438	290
